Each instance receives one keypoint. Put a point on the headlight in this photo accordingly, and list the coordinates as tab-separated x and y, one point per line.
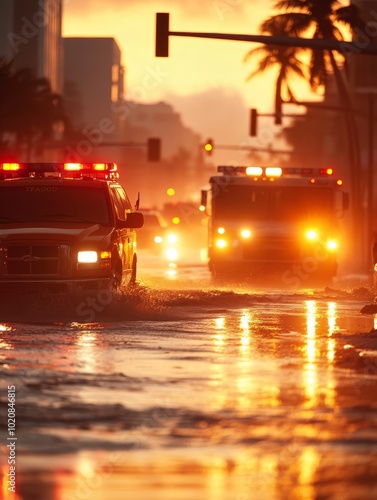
172	238
331	245
311	234
246	233
172	253
221	243
158	239
87	257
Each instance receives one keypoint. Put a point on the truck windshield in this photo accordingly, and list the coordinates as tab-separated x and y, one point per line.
278	203
49	203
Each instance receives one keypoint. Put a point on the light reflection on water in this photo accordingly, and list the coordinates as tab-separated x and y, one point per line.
238	383
240	380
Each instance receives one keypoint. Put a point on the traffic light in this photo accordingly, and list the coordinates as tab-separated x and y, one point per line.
154	149
162	34
208	146
253	121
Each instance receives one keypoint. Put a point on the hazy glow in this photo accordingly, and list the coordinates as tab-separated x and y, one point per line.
172	253
332	245
311	234
172	238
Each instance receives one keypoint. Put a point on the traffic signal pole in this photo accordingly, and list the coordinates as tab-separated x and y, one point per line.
163	33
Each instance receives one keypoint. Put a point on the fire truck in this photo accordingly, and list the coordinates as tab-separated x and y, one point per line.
274	221
65	226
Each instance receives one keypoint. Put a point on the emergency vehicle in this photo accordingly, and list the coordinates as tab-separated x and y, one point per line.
272	220
65	226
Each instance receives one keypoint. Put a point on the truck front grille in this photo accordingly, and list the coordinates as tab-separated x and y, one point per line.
32	260
272	250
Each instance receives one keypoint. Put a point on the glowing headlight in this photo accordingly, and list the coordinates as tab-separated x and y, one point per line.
332	245
172	254
221	230
87	257
245	233
172	238
157	239
311	234
221	243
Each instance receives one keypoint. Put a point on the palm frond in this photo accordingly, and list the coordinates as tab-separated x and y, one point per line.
349	16
291	4
293	24
258	51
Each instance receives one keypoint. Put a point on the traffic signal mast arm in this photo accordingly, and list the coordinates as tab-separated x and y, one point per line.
210	146
163	33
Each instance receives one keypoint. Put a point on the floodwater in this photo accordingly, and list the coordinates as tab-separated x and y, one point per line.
179	390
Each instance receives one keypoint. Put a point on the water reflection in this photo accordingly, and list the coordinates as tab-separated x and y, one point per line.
316	388
4	344
310	367
375	322
87	351
243	340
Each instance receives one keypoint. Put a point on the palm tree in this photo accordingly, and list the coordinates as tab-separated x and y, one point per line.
28	109
322	19
287	60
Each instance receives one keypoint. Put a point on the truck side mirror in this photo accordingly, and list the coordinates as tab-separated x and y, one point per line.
134	220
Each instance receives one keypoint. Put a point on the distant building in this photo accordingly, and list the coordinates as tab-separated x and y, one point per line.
160	120
30	35
93	81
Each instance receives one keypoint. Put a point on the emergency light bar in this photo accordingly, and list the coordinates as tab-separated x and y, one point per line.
97	171
274	171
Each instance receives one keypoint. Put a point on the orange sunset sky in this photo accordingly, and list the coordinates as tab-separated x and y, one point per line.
205	80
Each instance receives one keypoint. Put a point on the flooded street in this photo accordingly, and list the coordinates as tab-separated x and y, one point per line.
181	390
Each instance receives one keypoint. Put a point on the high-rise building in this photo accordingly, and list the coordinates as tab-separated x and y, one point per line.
93	80
30	35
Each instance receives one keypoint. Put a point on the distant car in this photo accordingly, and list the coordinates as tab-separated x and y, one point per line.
152	234
155	235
